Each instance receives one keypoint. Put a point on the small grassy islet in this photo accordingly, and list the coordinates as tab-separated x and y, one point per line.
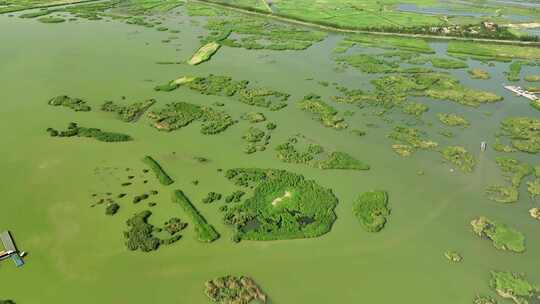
371	210
75	130
234	290
502	236
128	113
177	115
283	205
516	172
76	104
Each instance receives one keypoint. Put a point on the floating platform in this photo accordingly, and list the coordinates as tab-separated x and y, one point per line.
522	92
10	249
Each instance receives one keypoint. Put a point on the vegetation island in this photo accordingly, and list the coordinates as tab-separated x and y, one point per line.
502	236
234	290
284	205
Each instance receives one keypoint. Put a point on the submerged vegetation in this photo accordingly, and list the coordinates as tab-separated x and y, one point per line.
74	130
234	290
75	104
205	232
284	205
180	114
371	210
502	236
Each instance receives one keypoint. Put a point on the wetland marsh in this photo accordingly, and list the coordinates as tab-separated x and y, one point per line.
367	174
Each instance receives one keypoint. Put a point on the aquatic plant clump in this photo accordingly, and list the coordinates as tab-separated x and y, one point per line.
205	232
371	210
514	71
453	256
341	160
410	139
284	205
174	225
478	74
458	156
484	300
112	208
160	173
434	85
502	236
226	86
74	130
453	120
128	113
211	197
254	138
445	63
523	132
234	290
535	104
513	286
315	156
516	172
75	104
415	108
535	213
253	117
533	187
369	64
141	234
180	114
322	112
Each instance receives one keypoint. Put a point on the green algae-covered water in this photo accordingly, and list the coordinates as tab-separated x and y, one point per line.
77	254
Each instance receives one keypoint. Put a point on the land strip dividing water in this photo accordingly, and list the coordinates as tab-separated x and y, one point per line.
21	9
329	28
